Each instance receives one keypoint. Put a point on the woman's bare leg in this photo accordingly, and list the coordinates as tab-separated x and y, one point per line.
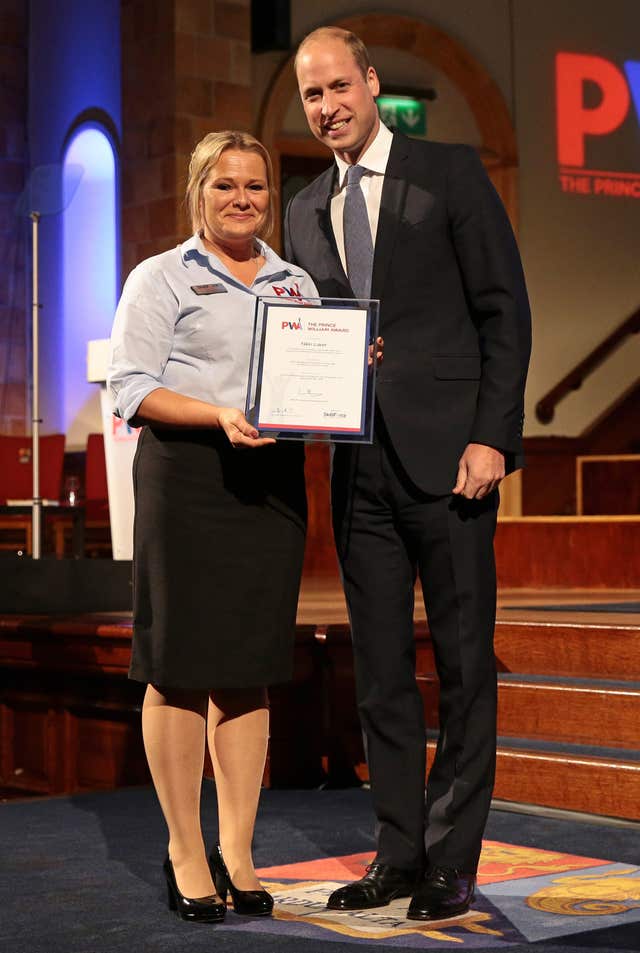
238	732
173	728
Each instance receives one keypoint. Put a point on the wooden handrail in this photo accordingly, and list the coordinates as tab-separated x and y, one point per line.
546	406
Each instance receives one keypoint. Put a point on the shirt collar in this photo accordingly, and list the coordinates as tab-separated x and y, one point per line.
273	262
194	248
374	159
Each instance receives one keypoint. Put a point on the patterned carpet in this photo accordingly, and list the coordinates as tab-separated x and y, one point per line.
525	894
82	875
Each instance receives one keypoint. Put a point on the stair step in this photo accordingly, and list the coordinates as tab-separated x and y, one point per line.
572	710
569	704
594	785
562	648
546	647
546	552
566	749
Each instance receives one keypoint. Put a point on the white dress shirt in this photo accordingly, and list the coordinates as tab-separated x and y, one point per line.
374	161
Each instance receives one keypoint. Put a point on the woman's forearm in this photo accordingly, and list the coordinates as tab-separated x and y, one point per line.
163	406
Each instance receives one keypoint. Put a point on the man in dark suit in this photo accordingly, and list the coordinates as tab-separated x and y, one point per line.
422	499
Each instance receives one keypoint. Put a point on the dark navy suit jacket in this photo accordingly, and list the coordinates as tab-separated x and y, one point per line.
454	310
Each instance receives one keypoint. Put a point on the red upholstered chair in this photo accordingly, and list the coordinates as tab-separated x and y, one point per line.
97	522
96	494
96	503
16	483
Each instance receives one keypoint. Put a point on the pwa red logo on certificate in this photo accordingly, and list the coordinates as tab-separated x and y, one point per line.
597	102
292	325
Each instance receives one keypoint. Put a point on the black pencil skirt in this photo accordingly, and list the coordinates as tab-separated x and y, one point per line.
218	549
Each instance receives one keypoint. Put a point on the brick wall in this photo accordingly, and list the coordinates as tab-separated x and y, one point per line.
186	72
13	247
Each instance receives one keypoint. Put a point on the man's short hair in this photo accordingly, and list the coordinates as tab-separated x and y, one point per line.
353	42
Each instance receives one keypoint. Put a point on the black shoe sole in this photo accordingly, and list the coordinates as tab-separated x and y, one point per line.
449	915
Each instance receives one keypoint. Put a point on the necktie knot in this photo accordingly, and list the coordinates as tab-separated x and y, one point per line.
354	174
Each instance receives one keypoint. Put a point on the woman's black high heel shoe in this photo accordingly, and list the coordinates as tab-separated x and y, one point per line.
209	909
249	903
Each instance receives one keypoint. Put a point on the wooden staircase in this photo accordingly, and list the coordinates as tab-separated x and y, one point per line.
568	725
569	683
568	710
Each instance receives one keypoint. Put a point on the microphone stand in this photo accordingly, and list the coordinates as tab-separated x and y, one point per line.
36	503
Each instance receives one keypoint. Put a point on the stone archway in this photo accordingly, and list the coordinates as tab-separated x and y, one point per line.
393	31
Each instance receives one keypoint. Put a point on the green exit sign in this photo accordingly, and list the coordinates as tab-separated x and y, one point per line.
404	114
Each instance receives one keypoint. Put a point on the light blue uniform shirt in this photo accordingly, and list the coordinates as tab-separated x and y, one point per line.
194	342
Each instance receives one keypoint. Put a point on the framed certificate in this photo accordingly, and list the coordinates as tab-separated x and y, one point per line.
313	369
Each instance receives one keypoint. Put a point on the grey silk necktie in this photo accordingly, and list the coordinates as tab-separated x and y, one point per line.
358	246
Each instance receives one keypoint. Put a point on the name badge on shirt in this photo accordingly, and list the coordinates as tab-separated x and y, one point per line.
215	289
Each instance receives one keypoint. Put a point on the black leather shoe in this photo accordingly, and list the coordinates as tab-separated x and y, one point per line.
443	893
380	885
249	903
209	909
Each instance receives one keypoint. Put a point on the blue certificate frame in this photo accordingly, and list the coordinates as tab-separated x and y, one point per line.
313	369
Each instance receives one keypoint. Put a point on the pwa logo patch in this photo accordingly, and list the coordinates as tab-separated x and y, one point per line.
291	325
292	292
596	98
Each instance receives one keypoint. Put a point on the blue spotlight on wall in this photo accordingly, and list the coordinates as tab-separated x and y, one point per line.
90	273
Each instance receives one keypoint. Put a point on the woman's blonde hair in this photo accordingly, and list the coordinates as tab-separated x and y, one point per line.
206	155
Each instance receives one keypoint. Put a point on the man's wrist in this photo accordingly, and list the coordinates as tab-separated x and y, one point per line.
481	443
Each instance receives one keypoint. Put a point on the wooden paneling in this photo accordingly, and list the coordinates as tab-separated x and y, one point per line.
106	748
90	644
70	717
344	751
297	719
548	480
531	552
27	750
616	431
65	732
320	555
570	552
608	484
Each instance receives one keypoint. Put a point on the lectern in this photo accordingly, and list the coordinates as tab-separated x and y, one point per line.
120	441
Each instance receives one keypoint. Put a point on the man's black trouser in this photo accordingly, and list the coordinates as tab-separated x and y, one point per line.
387	531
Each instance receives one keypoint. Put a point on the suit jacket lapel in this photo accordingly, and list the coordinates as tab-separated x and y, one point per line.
394	194
323	212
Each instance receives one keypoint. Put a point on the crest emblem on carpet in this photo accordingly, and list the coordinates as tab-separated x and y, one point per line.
524	894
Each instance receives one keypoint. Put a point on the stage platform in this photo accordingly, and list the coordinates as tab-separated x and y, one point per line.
568	713
322	603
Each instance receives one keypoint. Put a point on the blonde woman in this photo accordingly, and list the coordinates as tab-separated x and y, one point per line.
220	519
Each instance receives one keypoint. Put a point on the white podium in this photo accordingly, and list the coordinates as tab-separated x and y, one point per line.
120	441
